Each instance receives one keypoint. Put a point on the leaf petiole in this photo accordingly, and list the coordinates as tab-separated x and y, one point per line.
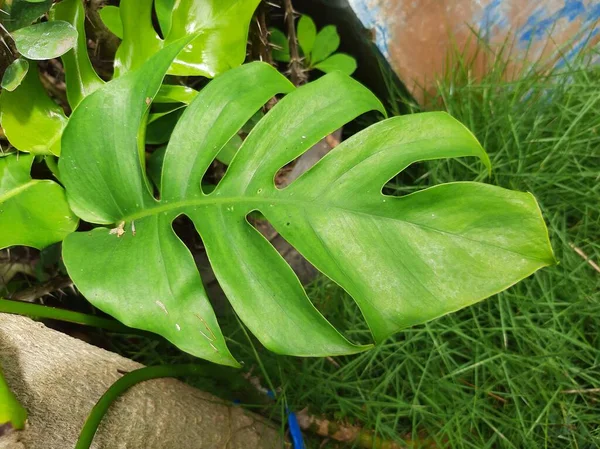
39	311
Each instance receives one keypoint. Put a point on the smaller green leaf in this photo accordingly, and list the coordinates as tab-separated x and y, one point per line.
161	125
31	120
230	149
340	61
111	17
164	13
33	212
250	124
14	74
35	1
173	93
20	13
327	41
280	44
11	411
307	33
159	129
154	166
45	40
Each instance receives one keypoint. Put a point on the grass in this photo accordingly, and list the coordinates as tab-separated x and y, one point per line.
519	370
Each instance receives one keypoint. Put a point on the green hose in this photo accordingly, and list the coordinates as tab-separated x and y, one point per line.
122	385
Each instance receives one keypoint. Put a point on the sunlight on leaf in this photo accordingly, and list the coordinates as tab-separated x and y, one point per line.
45	40
221	27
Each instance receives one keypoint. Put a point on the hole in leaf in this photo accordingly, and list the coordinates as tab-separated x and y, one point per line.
156	23
154	163
294	169
333	305
184	229
424	174
413	178
304	270
52	77
17	269
217	170
101	49
212	177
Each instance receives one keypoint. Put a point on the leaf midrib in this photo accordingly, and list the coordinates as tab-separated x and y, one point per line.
215	200
14	192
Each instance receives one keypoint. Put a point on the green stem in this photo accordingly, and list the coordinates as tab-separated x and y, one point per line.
36	310
256	356
122	385
52	163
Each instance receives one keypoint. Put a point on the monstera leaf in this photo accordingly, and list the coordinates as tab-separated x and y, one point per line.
32	212
404	260
220	26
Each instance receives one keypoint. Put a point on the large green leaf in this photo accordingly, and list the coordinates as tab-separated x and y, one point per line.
45	40
31	120
32	212
404	260
81	78
176	305
221	28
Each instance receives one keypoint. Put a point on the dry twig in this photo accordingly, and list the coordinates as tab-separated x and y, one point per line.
356	435
585	257
297	72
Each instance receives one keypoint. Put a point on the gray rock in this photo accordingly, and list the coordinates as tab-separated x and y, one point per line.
59	379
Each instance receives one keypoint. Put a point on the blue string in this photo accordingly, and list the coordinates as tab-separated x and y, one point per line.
295	431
